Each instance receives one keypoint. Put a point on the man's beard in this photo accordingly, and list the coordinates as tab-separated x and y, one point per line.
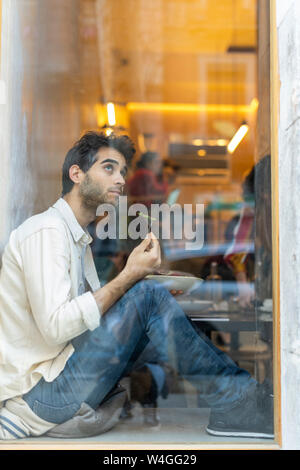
91	194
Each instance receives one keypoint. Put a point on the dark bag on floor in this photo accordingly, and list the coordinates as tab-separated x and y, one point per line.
88	422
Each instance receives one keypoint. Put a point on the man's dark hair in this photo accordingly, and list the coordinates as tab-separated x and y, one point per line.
83	153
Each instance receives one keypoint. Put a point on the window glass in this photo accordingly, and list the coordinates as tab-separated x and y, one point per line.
188	82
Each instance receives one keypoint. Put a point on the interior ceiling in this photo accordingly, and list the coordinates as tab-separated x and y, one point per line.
185	26
176	51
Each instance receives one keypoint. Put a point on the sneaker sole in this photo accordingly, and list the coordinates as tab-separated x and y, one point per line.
215	432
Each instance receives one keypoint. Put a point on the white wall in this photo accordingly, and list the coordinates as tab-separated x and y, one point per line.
288	20
16	177
46	80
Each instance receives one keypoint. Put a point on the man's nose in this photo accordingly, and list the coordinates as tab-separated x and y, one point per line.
120	180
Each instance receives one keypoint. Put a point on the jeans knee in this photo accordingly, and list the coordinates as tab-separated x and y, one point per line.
142	285
149	286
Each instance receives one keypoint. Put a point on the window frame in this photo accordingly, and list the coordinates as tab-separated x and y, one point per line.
274	101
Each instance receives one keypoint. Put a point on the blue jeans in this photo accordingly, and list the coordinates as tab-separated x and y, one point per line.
103	356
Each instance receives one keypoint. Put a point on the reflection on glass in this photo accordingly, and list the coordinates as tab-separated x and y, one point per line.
193	344
195	98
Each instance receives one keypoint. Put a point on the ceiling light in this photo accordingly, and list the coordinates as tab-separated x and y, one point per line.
238	137
189	108
111	116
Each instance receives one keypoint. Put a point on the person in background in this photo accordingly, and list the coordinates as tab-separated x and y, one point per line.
263	231
250	254
148	185
239	255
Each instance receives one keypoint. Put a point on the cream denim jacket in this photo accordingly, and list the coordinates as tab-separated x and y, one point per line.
41	308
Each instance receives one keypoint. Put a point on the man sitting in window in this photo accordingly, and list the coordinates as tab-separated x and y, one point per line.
66	341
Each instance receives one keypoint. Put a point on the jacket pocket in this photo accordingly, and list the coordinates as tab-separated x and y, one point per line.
55	414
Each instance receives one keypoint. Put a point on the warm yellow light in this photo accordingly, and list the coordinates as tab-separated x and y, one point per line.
111	115
198	141
254	104
182	107
201	153
108	131
218	142
222	142
237	138
141	142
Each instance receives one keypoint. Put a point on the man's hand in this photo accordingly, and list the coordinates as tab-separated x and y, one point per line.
245	289
144	259
246	295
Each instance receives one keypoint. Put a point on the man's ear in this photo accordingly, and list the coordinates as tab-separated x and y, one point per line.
76	174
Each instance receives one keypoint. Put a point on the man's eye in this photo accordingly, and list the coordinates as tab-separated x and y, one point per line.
109	167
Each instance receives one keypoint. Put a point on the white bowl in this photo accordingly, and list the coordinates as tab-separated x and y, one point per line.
183	283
